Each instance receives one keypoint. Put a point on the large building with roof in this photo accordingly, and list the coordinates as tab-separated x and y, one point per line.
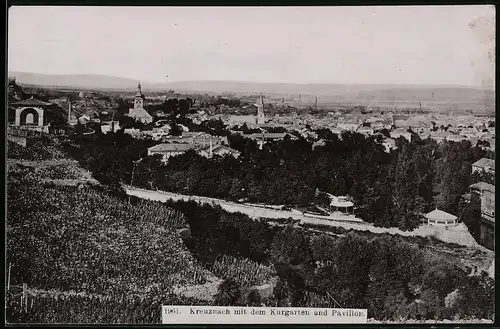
486	192
220	150
138	112
168	150
484	164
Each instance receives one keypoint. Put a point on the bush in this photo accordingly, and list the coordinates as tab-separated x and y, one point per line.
228	294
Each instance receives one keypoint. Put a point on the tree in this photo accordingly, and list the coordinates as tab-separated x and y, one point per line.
476	298
443	279
228	293
176	130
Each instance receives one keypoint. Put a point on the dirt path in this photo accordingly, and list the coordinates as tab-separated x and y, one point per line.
458	234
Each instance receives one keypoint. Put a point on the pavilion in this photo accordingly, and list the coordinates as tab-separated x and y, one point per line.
31	114
341	203
440	218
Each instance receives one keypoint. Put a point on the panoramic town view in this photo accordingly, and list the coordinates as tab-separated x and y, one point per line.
315	157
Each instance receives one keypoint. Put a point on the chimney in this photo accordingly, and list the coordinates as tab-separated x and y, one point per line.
69	110
315	102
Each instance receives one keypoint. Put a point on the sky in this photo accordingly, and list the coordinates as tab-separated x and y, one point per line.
435	45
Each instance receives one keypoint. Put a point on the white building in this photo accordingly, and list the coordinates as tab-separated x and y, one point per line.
160	132
112	126
395	134
220	150
440	218
389	145
168	150
348	126
367	131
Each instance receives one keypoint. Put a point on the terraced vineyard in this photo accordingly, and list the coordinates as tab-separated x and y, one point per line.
83	240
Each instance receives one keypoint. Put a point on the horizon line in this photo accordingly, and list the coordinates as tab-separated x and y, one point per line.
256	82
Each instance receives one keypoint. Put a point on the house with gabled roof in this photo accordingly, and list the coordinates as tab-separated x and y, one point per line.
484	164
220	150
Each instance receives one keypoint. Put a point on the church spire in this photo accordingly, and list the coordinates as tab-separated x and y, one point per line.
139	91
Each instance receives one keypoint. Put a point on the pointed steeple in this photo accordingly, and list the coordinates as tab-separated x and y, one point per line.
260	111
139	91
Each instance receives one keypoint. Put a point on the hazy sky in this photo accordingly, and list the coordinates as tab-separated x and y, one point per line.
386	45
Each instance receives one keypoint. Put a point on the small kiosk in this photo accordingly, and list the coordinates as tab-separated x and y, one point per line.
440	218
342	204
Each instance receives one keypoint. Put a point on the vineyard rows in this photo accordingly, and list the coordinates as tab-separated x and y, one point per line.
86	240
243	270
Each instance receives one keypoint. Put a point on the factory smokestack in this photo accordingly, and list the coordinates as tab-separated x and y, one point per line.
69	111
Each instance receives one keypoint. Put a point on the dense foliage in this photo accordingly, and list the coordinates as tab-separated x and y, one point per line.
38	149
391	277
389	189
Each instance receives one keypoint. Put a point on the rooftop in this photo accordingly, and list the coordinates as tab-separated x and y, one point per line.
484	162
219	147
168	147
437	214
483	186
31	102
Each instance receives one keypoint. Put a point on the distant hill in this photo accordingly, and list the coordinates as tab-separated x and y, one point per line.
326	93
84	81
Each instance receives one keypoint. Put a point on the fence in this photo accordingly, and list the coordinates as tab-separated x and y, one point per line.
19	132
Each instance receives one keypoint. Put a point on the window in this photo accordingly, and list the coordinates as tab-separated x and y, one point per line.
30	119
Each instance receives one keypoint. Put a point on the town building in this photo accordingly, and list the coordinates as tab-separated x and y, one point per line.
160	132
337	131
367	131
168	150
84	119
198	138
351	126
110	126
487	228
262	138
484	164
455	138
440	136
220	150
319	143
389	145
395	134
138	112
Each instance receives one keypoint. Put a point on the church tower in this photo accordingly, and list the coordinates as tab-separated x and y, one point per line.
139	98
261	119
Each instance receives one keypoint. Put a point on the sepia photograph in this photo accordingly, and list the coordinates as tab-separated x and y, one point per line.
250	165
